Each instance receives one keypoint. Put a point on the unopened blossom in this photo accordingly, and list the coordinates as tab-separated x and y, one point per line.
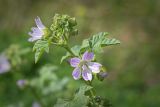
84	67
4	64
37	32
103	74
21	83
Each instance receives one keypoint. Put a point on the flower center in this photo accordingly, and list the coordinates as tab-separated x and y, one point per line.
82	63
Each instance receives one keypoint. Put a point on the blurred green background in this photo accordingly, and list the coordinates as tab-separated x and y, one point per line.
133	66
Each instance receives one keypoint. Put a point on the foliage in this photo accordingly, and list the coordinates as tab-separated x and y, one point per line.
94	43
47	80
16	54
136	61
79	100
40	47
97	41
133	67
62	28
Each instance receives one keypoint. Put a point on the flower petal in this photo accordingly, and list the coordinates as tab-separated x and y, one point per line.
35	34
94	66
88	56
34	38
86	74
21	83
76	73
4	64
74	62
39	23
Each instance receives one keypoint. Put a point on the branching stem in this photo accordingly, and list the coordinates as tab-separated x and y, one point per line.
69	50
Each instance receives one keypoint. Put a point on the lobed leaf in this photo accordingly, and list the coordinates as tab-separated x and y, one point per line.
40	47
97	41
76	50
65	57
47	80
79	100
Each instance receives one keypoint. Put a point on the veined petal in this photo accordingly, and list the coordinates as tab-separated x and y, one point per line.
94	66
36	34
39	23
74	62
86	74
32	39
76	73
37	30
88	56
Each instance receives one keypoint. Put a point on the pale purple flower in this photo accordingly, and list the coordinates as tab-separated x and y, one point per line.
21	83
36	104
4	64
37	32
84	66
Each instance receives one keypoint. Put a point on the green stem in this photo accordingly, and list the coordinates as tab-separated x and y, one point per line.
92	92
69	50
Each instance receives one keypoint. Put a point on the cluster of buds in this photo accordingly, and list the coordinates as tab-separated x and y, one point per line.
62	28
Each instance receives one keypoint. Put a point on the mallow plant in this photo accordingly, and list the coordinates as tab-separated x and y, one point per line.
82	58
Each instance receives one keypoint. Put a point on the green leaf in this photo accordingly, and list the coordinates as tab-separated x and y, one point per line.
85	45
79	100
76	50
65	57
99	40
110	41
62	103
83	89
47	80
40	47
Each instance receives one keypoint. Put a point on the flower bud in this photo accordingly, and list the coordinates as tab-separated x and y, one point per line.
74	32
72	21
102	75
21	83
